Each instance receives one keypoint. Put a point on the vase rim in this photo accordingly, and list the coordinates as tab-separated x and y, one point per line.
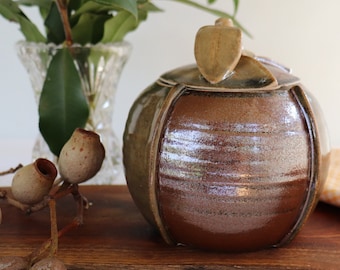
42	45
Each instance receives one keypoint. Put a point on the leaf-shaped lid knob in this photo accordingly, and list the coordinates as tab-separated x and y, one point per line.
218	53
218	49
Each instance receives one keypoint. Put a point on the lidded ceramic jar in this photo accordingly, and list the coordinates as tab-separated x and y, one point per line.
227	154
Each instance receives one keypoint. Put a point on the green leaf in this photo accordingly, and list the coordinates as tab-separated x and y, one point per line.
38	3
54	26
92	7
117	27
130	6
236	5
43	5
74	4
30	31
63	105
89	28
11	11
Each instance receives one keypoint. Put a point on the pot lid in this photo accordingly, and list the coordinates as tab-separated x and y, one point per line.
221	63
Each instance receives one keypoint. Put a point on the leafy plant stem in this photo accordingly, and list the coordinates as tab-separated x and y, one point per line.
62	7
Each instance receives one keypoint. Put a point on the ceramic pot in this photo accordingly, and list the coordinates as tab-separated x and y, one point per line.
235	163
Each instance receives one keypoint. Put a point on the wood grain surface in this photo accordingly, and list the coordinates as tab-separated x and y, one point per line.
116	236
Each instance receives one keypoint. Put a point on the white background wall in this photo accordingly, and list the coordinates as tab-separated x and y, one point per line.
301	34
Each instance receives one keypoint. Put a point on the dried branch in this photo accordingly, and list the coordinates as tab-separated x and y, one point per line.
52	243
54	228
11	170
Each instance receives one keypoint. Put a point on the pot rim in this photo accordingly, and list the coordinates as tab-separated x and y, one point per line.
191	77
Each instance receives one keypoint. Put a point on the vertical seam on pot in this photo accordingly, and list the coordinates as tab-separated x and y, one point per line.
314	163
174	93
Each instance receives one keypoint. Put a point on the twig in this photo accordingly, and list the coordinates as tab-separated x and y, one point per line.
57	192
80	204
62	7
65	189
72	225
54	228
39	252
11	170
24	207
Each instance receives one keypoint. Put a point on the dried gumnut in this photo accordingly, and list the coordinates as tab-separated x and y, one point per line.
49	263
13	263
32	182
81	157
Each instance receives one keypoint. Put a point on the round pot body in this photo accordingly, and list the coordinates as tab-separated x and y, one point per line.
231	166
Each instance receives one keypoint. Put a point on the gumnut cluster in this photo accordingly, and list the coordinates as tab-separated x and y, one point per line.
35	186
79	160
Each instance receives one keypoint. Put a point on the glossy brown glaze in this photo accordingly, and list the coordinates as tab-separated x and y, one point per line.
236	173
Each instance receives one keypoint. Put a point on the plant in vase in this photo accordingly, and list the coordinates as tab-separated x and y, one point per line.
75	65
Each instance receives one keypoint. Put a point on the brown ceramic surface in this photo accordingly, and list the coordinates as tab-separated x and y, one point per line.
138	137
233	168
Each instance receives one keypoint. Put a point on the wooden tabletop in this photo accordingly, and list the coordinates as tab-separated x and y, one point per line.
116	236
